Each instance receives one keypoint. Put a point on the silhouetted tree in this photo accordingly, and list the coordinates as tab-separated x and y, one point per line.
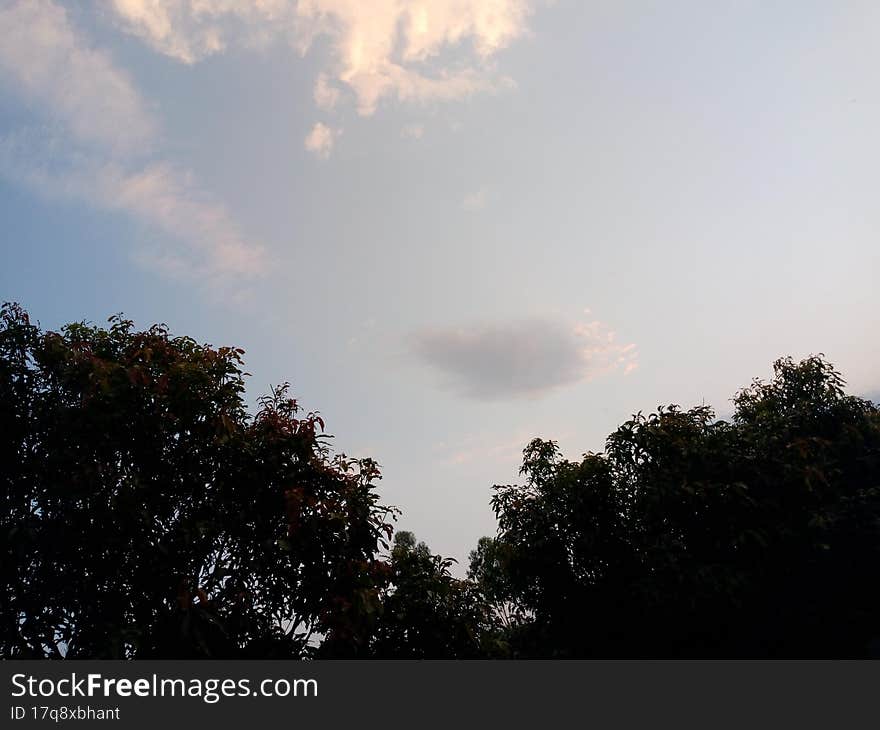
427	613
691	536
488	570
146	514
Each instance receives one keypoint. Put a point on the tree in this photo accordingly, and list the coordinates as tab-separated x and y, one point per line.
691	536
427	613
488	569
146	514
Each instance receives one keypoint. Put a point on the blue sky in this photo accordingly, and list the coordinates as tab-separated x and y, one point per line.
454	225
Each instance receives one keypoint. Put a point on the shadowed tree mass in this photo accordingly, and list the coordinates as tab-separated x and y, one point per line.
146	513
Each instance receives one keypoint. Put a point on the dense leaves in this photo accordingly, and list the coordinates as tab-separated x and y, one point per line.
691	536
427	613
144	513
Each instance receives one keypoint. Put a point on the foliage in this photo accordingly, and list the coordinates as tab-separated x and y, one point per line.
692	536
427	613
146	514
489	570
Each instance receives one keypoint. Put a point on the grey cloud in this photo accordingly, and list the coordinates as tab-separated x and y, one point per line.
524	358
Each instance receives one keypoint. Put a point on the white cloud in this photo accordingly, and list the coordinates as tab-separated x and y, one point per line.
191	30
522	358
320	140
379	49
383	48
45	59
158	194
100	147
413	131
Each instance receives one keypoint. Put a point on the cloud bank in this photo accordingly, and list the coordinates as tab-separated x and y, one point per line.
526	358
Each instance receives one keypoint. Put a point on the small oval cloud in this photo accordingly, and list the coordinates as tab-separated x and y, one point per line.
524	358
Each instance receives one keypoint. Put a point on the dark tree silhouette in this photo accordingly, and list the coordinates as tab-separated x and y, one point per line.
691	536
146	514
427	613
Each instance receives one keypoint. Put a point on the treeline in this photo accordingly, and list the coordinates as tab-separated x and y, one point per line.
147	514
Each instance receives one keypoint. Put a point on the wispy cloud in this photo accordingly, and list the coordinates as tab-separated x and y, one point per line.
100	143
528	357
320	140
51	64
413	131
476	200
486	448
191	30
379	49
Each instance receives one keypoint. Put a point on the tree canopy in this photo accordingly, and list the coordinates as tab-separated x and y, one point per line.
147	514
692	536
426	612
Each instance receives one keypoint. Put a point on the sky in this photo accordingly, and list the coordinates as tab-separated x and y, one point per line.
454	225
